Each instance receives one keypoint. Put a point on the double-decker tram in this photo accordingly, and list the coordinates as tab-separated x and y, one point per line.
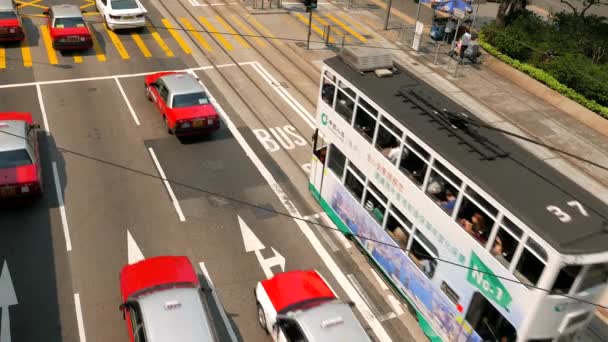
482	238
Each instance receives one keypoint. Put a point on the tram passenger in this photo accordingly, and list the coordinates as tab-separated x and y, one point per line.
449	203
476	227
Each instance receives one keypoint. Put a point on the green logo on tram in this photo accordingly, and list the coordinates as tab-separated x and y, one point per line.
482	277
324	119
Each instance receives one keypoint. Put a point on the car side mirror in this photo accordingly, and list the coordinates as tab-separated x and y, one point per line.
154	84
35	126
123	308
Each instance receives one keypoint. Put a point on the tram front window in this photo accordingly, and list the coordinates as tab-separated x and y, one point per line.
488	322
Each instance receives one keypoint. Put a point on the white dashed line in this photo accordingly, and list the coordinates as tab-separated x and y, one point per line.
45	121
381	282
124	96
178	208
81	334
343	240
396	304
62	213
216	298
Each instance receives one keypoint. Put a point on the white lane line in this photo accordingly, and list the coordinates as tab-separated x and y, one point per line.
64	217
178	208
379	280
343	240
363	294
396	304
219	303
83	337
322	231
331	265
290	100
45	121
386	317
124	96
97	78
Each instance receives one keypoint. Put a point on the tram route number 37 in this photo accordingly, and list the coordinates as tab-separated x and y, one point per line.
564	216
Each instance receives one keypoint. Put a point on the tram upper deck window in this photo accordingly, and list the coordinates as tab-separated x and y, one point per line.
365	119
531	263
375	203
414	161
423	254
336	161
597	274
565	279
345	106
398	227
354	181
388	143
476	216
506	242
327	91
443	186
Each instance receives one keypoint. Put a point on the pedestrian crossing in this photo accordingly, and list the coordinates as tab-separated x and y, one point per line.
165	38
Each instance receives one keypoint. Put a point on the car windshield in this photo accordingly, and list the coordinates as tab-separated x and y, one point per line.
73	22
189	100
124	4
8	15
11	159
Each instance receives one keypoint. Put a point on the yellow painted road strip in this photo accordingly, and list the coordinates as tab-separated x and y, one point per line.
48	44
117	44
178	38
33	4
77	59
230	30
333	29
91	4
264	30
209	26
98	50
26	53
2	58
196	34
354	23
346	28
248	31
159	40
314	27
140	44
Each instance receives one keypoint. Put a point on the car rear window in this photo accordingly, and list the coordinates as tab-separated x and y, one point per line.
124	4
73	22
8	15
10	159
189	100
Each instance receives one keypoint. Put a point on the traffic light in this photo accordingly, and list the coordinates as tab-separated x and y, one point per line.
310	5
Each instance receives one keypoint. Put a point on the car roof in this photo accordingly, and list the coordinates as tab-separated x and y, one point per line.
66	11
289	288
6	5
12	135
181	83
176	314
331	321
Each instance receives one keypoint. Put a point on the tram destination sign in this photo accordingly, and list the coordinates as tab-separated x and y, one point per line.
482	277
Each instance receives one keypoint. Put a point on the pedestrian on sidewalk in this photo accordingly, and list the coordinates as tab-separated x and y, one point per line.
465	40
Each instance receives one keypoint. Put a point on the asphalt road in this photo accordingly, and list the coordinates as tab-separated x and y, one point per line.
104	137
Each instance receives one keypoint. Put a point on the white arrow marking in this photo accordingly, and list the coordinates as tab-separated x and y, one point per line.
253	244
133	252
7	298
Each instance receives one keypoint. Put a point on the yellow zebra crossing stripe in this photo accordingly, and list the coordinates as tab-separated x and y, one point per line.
117	44
196	34
140	44
48	44
248	31
77	59
26	53
313	26
354	23
178	38
161	43
211	29
346	28
98	50
230	30
333	28
264	30
2	58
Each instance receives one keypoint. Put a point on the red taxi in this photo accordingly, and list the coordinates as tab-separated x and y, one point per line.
67	28
183	103
11	28
20	170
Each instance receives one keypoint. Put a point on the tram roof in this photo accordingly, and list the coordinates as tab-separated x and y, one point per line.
521	182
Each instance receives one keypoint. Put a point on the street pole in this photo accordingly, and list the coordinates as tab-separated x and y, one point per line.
417	17
388	13
474	17
309	27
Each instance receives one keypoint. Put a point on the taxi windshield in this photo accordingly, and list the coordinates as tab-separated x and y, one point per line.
7	15
15	158
124	4
73	22
189	100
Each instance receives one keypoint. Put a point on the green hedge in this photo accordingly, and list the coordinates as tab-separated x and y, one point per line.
545	78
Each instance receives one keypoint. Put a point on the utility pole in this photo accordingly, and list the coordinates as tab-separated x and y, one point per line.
388	13
309	10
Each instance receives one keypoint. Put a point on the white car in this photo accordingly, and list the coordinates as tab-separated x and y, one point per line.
122	14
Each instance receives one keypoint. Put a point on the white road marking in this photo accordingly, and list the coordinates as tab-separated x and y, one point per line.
322	231
83	337
124	96
45	121
62	213
363	294
343	240
379	280
386	317
178	208
253	244
396	304
348	288
219	303
134	253
293	103
8	298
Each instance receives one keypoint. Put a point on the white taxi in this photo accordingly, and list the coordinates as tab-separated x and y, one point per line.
122	14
